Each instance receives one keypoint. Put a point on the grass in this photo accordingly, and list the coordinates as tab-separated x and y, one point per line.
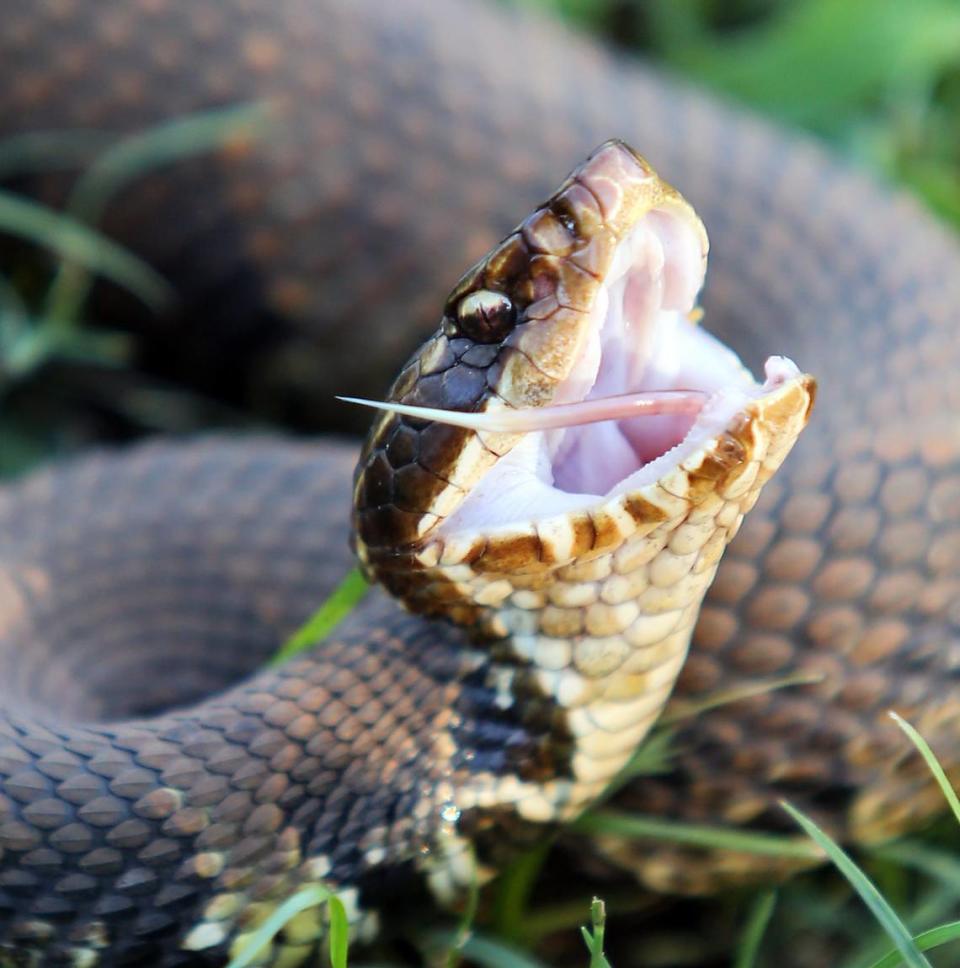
341	601
56	367
505	931
500	950
748	949
315	895
878	905
605	821
593	936
877	79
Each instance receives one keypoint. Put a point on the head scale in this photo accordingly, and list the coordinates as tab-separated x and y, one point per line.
515	332
511	331
583	552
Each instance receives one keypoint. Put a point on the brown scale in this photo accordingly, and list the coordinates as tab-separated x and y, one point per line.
157	839
396	164
497	344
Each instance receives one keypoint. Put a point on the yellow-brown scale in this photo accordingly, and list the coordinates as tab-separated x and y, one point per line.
593	609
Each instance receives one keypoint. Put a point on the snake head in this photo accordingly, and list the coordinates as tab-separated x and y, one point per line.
567	404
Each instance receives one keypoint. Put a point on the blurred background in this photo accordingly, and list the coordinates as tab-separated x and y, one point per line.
879	80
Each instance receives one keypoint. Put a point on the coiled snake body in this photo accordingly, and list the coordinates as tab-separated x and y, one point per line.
406	139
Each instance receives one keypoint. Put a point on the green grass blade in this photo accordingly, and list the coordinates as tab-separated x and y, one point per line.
654	754
339	938
696	835
935	863
931	908
567	915
933	763
132	158
874	900
652	758
37	346
925	941
749	946
514	886
14	320
36	151
74	241
303	900
680	711
170	141
935	180
484	951
594	939
800	64
465	927
341	602
23	446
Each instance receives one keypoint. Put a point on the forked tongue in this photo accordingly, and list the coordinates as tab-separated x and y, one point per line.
650	403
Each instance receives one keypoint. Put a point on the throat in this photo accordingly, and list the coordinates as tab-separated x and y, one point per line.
594	463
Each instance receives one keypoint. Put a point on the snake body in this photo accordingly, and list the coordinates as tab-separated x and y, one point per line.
406	139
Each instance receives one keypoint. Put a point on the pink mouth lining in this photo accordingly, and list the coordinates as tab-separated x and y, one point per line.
648	388
643	345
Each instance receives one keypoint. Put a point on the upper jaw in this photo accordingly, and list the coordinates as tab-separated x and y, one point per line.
640	335
492	503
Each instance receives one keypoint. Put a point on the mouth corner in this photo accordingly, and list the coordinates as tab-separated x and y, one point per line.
630	389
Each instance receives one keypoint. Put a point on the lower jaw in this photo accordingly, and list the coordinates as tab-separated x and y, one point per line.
634	451
532	483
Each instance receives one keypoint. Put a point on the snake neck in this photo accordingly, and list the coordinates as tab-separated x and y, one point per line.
584	622
579	627
569	667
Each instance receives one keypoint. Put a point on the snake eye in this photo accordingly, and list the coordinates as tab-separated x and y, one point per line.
485	316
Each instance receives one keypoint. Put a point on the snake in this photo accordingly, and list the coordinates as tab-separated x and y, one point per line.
153	809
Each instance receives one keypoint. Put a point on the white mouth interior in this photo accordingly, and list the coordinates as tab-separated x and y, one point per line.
641	338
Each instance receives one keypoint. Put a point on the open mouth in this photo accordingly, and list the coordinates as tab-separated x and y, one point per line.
648	388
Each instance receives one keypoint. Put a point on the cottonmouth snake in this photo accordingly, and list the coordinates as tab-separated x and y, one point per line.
409	138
